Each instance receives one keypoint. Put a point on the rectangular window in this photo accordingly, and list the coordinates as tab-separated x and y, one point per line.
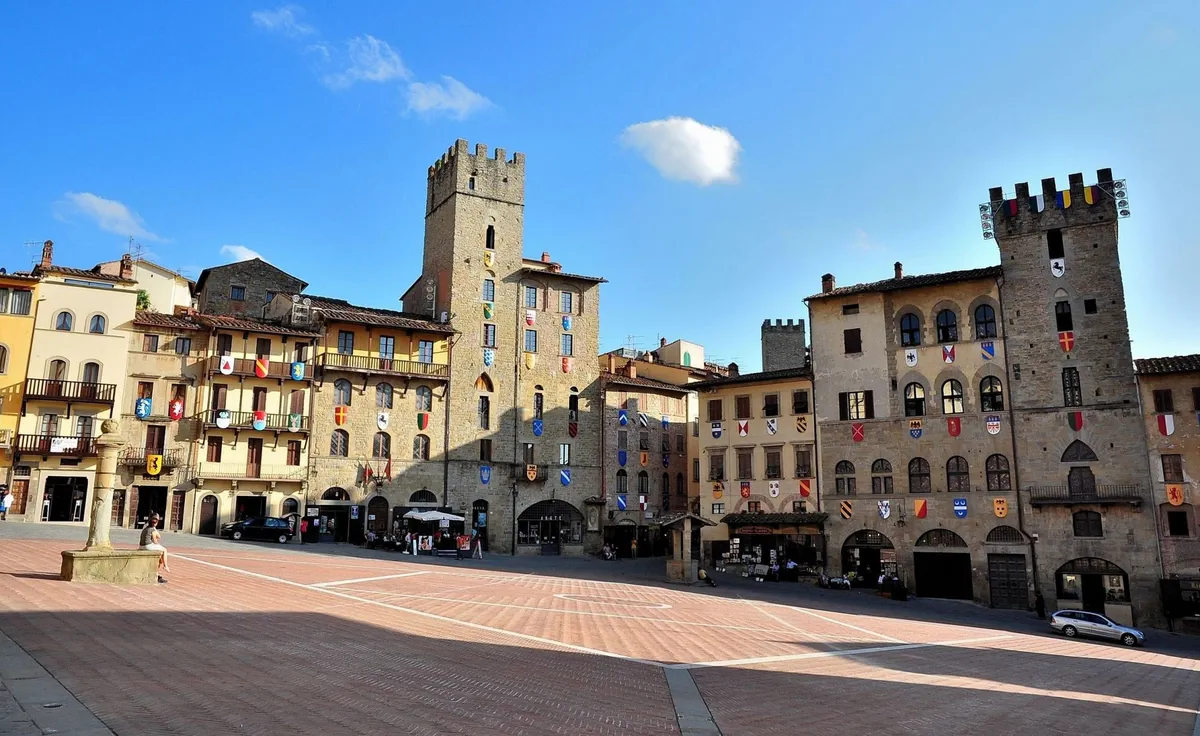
489	290
799	507
1062	316
425	351
1089	306
224	344
83	427
644	441
716	466
754	507
539	404
345	342
564	454
718	509
178	391
849	309
854	405
219	393
852	341
531	341
680	443
566	302
803	462
745	463
800	402
183	345
1072	393
1172	467
774	463
387	347
568	345
1177	524
666	442
489	336
22	301
262	347
259	401
293	452
149	343
214	449
49	424
485	412
270	296
145	390
741	407
1164	401
695	470
527	453
1054	243
1196	398
531	297
485	451
237	293
771	405
4	301
715	413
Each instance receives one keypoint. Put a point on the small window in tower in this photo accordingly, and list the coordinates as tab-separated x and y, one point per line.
471	183
1054	243
490	240
849	309
1062	316
1089	306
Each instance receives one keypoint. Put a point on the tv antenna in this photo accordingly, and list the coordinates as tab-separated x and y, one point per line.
135	249
631	341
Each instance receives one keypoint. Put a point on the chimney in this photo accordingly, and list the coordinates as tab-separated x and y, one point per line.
612	363
127	267
545	257
555	268
899	270
632	369
733	370
662	342
47	254
828	283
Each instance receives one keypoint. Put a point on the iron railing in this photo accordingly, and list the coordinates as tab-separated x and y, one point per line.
245	420
253	471
56	444
372	364
1065	495
280	369
56	390
136	456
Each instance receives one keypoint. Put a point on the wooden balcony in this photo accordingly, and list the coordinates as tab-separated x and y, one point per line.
136	457
277	369
1094	495
250	471
383	366
56	445
245	420
70	392
519	473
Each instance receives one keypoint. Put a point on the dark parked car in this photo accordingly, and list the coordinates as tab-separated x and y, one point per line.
265	528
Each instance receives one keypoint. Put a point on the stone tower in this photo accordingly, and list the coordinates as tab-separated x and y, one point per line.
1079	446
475	277
783	345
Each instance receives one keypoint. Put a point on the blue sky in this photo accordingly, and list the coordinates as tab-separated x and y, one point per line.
829	137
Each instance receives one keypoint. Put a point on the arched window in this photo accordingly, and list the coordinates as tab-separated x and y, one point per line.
910	330
3	359
643	483
845	482
483	383
881	476
998	478
952	397
64	321
991	394
290	506
58	370
489	238
1005	535
940	538
680	485
1088	524
423	496
339	443
97	324
381	446
91	372
341	392
914	400
985	322
335	494
919	480
1062	316
622	481
1079	452
666	490
947	326
424	398
420	447
383	396
958	476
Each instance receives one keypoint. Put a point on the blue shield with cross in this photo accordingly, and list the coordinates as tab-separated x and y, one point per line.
537	427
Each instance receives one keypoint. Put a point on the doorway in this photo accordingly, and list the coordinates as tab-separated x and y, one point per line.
377	515
118	507
863	554
248	507
150	500
479	521
65	499
1007	582
943	574
20	491
209	509
1093	593
335	523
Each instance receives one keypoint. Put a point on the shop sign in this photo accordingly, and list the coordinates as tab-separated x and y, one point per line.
755	530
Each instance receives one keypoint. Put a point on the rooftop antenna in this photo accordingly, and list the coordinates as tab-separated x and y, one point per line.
631	341
31	248
135	249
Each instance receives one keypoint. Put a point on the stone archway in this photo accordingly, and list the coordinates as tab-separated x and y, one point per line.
942	565
550	524
867	554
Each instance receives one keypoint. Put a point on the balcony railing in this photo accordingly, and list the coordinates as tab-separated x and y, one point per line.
60	445
1067	496
280	369
136	457
245	420
253	471
519	471
82	391
389	366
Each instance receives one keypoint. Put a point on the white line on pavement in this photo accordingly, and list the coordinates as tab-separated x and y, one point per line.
841	653
368	580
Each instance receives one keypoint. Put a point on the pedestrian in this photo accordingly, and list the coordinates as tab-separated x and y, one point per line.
705	578
633	549
152	541
329	526
6	500
1039	605
478	551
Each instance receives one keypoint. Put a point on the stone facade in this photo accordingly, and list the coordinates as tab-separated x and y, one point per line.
475	277
784	345
255	281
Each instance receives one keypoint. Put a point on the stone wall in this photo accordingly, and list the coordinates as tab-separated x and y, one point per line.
260	280
1180	553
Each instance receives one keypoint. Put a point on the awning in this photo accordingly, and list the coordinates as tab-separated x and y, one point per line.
432	516
782	523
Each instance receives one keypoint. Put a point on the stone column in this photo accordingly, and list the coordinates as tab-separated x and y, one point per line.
108	444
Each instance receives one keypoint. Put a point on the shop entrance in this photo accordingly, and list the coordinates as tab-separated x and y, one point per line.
479	521
209	509
550	525
248	507
65	499
335	523
621	536
942	565
1006	578
1092	583
151	499
377	515
868	554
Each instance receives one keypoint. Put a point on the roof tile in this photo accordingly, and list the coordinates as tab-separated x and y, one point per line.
1174	364
171	321
616	378
344	311
223	322
761	377
911	282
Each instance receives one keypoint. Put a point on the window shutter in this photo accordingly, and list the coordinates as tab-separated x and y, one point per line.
843	406
870	403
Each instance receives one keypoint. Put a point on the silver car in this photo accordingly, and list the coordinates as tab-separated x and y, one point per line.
1083	623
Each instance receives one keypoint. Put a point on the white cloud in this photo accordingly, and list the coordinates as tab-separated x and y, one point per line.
449	96
240	253
685	149
282	20
109	215
864	242
368	60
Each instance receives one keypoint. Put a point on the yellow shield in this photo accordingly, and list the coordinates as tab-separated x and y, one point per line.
531	472
530	359
718	491
488	259
154	464
1000	506
1175	494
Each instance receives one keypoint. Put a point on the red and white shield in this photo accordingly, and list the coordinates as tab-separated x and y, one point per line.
530	317
805	487
261	367
226	365
175	409
947	353
954	426
1166	424
857	432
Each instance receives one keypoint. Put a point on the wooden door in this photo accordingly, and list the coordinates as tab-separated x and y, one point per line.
177	510
156	439
20	491
254	448
208	515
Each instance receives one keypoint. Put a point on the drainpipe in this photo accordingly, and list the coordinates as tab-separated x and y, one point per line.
816	445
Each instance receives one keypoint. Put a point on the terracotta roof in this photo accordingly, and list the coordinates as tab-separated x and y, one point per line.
344	311
222	322
81	273
617	378
912	282
204	274
1175	364
672	519
169	321
768	519
19	276
761	377
563	274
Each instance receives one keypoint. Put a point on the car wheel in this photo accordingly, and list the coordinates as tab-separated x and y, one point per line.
283	539
1129	640
237	534
1070	631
